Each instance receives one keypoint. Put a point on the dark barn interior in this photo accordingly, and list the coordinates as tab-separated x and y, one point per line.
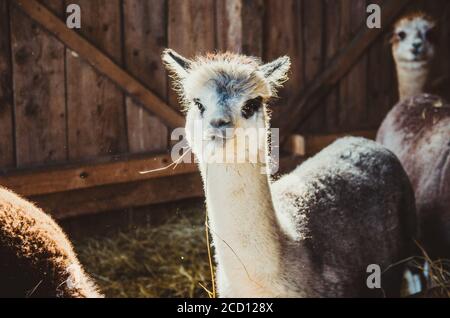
82	112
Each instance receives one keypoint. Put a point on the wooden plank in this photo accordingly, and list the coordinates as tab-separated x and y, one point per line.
129	195
306	102
7	157
95	106
190	30
65	178
345	33
353	87
240	26
439	80
312	144
442	85
315	143
145	38
332	46
43	181
253	12
285	37
165	189
101	62
229	25
55	6
314	52
191	26
121	196
39	93
382	85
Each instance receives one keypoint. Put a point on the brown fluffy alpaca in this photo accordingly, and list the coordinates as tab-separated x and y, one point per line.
36	258
417	130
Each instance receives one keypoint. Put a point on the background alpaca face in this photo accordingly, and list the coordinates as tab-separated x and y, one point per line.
413	39
224	97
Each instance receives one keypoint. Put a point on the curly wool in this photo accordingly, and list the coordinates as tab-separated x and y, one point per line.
37	259
417	130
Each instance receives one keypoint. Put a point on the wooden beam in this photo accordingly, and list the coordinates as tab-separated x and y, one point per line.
304	104
32	182
88	201
309	145
101	62
51	180
115	197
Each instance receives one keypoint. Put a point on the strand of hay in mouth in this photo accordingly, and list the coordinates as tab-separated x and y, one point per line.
169	260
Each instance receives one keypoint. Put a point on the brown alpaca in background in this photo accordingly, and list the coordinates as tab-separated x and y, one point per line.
36	258
417	130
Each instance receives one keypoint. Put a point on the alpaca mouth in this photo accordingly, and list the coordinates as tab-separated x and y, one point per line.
220	135
418	57
415	59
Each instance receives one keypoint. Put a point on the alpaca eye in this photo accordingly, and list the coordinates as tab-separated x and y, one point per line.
200	106
430	35
251	106
401	35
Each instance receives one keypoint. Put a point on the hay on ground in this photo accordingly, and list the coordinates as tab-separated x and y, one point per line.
169	260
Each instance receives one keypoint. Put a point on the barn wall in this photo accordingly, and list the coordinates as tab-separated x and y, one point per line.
56	108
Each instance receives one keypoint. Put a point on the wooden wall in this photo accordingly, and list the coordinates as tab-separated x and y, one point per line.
56	108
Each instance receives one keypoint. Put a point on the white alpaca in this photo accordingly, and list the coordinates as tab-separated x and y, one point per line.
417	130
413	50
313	232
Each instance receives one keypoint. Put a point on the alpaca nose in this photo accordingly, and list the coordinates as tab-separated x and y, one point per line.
220	123
417	45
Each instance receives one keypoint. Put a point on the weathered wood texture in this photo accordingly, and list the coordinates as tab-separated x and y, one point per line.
145	38
75	96
39	92
7	156
65	178
352	52
191	30
96	114
283	35
121	196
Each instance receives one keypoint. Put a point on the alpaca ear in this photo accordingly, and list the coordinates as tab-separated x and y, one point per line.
390	38
175	63
276	72
433	34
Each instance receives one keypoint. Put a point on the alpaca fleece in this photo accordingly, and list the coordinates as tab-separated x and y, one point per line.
36	258
417	130
312	233
349	206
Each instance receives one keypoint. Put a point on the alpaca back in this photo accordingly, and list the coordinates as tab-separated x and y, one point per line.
348	207
417	130
37	259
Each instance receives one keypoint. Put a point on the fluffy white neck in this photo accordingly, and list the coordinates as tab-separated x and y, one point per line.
412	77
244	229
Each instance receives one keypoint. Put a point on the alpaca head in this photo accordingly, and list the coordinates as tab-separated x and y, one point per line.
413	40
224	94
